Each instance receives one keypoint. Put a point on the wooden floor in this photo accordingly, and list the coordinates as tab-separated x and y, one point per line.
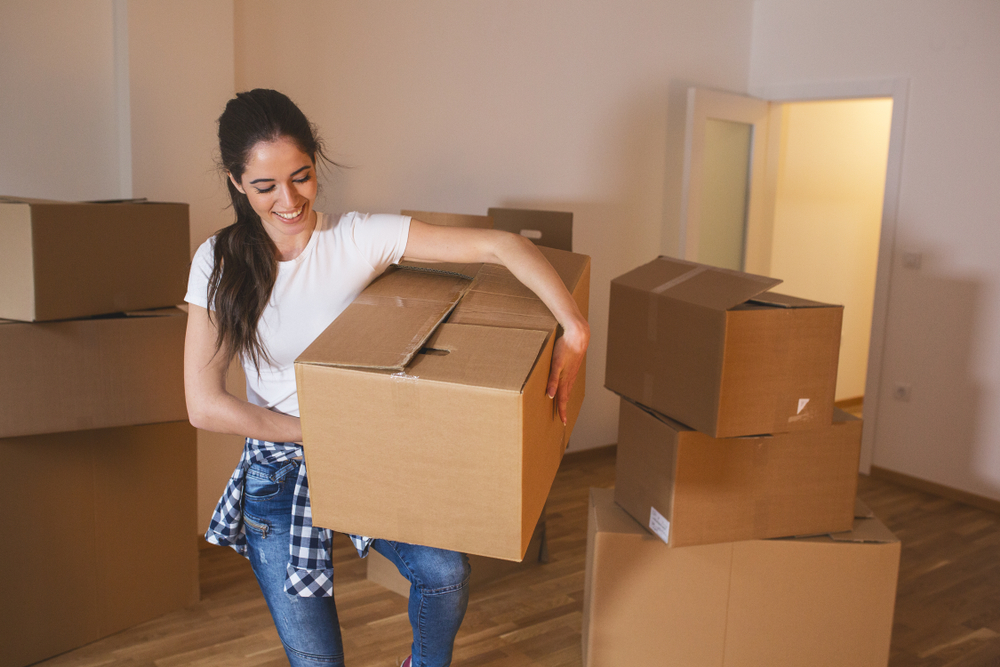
947	612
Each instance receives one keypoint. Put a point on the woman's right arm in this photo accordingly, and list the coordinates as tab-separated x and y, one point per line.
210	406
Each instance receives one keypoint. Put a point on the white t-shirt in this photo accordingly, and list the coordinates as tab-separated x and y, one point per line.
342	257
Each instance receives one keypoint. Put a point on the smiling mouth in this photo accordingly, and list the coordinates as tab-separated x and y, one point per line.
290	216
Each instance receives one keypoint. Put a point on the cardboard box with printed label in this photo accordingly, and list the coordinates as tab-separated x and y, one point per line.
690	488
61	260
99	535
713	349
444	424
100	372
824	600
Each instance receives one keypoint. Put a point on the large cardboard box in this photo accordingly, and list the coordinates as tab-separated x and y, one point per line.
445	426
713	349
553	229
92	373
60	260
485	570
823	601
98	535
690	488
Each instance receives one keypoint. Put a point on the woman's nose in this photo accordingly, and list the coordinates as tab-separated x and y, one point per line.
286	194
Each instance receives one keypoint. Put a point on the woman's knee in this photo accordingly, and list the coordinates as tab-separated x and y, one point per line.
439	570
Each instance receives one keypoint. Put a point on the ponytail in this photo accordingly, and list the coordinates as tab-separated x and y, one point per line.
246	259
246	267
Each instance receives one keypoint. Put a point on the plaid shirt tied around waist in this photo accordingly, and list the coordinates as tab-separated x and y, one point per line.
310	564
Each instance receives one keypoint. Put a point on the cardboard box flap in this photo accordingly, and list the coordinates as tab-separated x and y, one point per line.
776	300
866	530
6	199
497	298
491	357
861	510
444	268
389	322
171	311
719	289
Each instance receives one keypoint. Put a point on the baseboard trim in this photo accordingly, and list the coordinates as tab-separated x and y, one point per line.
846	403
981	502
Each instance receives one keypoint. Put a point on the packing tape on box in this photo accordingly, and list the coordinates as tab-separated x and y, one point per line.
651	332
684	277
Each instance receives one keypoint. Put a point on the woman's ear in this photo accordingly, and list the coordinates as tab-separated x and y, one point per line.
236	183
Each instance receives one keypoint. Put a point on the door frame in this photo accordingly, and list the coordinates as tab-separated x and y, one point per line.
705	103
898	90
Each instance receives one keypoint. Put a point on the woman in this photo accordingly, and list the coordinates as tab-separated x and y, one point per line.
262	289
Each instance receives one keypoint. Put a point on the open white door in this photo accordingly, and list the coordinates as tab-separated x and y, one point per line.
727	200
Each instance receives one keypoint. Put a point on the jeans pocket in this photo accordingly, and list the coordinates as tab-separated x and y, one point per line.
265	481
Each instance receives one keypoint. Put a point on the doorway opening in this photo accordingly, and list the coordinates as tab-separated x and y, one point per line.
827	221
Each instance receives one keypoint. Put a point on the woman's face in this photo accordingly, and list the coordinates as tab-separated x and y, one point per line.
280	182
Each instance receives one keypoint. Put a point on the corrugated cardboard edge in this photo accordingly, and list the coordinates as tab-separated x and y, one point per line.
777	300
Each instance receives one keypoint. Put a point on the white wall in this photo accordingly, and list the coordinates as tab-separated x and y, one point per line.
458	105
944	319
58	112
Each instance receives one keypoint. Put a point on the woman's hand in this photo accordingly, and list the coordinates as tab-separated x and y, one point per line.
567	356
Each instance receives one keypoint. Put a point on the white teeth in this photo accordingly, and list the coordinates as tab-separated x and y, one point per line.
289	216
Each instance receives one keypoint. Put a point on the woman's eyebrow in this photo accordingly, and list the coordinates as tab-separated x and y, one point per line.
265	180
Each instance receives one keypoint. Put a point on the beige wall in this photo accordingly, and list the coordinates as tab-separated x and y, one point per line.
456	106
180	77
828	216
943	319
58	110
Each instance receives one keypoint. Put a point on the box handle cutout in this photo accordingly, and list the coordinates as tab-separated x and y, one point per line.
434	351
531	234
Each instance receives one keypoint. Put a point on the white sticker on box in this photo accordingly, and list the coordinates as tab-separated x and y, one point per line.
802	405
659	525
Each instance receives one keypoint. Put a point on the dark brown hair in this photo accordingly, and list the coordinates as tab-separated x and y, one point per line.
246	260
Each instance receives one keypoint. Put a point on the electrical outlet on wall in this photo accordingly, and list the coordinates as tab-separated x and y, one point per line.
901	392
913	260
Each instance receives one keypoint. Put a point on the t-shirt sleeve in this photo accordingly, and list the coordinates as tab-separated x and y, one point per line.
201	269
381	238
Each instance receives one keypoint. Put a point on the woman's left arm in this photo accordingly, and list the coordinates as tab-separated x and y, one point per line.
521	257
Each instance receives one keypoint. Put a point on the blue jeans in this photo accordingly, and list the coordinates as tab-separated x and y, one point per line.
308	627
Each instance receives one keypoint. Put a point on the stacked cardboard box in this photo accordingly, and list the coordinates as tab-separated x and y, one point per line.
94	420
728	439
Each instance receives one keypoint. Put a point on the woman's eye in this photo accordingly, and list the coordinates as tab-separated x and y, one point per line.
264	190
304	179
